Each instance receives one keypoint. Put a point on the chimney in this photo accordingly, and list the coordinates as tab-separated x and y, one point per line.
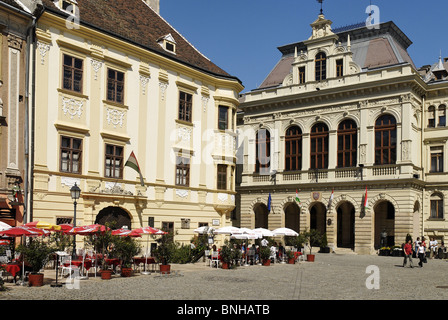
154	4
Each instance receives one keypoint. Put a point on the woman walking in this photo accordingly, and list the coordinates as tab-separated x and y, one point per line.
421	253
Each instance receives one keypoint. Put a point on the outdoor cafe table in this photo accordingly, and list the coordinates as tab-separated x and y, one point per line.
114	262
78	263
147	260
12	269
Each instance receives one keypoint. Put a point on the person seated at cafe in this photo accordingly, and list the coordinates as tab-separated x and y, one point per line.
25	265
281	252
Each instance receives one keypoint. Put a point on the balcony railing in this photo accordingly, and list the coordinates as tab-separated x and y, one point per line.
387	172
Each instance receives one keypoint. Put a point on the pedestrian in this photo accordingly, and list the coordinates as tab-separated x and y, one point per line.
416	244
421	254
408	254
433	244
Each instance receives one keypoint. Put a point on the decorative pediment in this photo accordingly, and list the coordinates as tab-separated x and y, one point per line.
321	28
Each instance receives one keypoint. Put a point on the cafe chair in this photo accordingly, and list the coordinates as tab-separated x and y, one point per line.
214	260
207	257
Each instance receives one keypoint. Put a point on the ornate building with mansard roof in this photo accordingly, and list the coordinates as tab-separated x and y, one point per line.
345	119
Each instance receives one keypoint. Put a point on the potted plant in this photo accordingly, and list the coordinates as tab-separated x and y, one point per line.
164	252
290	256
103	242
226	256
36	253
314	239
265	254
126	249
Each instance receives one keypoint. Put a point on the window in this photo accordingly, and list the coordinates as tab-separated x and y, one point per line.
72	73
71	155
339	68
113	167
436	206
302	75
347	144
263	151
385	140
319	146
222	177
183	171
441	113
168	226
185	106
223	118
431	117
293	149
436	159
321	66
115	86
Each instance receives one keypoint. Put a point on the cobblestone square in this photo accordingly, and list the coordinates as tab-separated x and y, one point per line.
330	277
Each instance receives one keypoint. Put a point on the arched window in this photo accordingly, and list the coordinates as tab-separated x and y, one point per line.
385	140
263	151
319	146
293	149
441	113
436	206
347	144
321	66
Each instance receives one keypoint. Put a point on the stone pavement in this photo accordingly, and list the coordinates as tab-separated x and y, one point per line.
330	277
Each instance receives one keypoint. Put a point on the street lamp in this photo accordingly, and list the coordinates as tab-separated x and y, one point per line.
75	192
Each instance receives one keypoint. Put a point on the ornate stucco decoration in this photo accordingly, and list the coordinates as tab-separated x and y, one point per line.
96	65
144	79
43	49
115	117
72	107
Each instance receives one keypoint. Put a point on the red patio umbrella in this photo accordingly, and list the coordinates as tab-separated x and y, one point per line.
149	230
125	233
24	231
87	230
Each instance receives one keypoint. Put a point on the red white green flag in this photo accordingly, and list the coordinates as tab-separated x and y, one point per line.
133	163
366	203
297	197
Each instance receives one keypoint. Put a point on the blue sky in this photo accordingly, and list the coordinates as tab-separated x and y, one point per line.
242	36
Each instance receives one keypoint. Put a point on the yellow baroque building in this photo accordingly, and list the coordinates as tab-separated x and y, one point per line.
114	78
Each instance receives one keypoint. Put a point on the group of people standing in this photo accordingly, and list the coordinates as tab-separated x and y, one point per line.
419	248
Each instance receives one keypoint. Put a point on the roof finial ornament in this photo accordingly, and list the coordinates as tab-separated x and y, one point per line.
321	2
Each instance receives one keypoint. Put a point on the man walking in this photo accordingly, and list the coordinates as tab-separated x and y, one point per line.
408	253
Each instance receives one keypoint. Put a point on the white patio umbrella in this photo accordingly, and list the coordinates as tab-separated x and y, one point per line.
285	232
228	230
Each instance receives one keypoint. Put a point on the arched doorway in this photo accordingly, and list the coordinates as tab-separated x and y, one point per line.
261	216
292	216
384	222
346	225
318	217
115	216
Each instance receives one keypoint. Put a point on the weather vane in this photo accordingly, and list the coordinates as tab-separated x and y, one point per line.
321	2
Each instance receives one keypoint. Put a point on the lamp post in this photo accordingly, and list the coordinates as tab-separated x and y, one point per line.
75	192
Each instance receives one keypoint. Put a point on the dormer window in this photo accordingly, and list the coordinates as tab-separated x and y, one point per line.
68	6
168	43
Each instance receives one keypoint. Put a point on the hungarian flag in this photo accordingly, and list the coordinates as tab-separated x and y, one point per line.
331	199
366	203
133	163
297	197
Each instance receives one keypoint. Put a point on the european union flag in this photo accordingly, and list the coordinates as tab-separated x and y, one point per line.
269	203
